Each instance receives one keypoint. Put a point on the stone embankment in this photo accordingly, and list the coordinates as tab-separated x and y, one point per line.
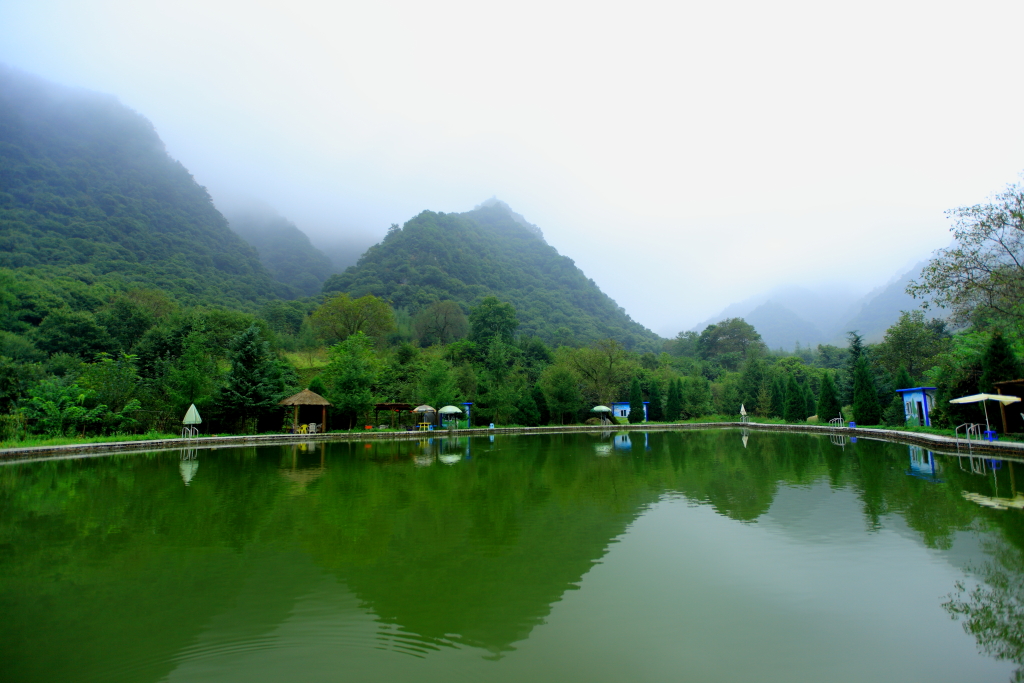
945	444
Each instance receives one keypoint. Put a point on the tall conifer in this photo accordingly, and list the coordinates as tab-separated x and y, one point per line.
253	385
828	402
636	402
809	402
793	410
674	404
866	408
998	364
655	410
778	398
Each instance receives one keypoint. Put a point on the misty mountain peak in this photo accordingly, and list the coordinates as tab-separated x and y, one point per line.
494	202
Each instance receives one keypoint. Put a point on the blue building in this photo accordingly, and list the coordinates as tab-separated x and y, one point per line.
621	409
918	404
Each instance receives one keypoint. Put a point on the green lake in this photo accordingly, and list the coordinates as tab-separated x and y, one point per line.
663	556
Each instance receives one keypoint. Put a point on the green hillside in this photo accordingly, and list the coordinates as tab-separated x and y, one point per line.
87	191
284	249
490	251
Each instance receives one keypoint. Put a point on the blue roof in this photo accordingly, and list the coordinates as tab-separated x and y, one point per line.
900	391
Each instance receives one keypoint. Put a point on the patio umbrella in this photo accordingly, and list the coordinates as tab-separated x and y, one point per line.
981	398
450	410
600	409
192	416
427	412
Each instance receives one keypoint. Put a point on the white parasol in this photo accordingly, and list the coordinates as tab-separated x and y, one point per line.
982	398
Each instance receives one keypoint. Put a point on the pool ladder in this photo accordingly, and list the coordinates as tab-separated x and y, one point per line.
970	429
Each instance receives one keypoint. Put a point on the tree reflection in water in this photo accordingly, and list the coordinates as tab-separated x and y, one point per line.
993	610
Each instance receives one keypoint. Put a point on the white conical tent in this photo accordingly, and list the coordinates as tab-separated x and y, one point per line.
743	410
192	416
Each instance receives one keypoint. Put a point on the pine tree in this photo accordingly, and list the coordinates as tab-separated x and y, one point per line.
253	386
778	398
866	408
903	379
751	380
998	364
636	402
828	402
809	402
655	411
794	406
674	404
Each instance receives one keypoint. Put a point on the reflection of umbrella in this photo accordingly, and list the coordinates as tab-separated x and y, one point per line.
981	398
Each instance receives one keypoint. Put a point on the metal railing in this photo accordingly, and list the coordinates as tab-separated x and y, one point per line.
969	429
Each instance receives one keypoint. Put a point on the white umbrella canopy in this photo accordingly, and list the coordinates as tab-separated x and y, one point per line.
449	410
600	409
743	410
982	398
423	409
192	416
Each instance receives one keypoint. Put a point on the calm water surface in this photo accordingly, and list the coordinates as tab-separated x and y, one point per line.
688	556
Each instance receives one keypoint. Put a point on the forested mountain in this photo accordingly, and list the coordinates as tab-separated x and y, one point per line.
87	191
284	249
490	251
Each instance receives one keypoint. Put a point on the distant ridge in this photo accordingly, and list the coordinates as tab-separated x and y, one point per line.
88	192
284	249
795	315
491	251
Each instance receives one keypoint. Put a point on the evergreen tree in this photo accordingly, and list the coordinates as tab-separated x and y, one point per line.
903	379
855	351
674	404
809	402
349	375
866	408
894	414
753	377
636	402
998	364
655	411
253	385
778	398
793	410
828	402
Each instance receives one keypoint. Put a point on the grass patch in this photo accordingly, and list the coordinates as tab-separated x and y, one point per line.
307	360
75	440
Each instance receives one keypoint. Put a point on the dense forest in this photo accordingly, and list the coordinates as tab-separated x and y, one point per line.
125	297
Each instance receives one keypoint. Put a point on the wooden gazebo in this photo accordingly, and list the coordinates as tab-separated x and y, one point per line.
307	398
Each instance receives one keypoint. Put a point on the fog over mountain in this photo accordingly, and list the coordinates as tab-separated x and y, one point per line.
788	316
716	151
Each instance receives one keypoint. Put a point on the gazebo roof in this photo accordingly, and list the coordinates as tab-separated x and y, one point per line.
305	398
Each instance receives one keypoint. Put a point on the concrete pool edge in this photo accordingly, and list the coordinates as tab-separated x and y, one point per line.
114	447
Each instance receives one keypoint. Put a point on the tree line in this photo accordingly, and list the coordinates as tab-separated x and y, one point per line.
84	358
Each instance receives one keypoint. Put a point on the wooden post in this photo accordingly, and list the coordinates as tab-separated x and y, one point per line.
1002	409
323	418
295	419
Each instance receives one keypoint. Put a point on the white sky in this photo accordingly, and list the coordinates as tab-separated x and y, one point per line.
683	154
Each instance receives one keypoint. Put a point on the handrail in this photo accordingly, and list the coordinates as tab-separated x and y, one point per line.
969	429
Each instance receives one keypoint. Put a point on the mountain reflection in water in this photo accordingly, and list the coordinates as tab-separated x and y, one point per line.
114	571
